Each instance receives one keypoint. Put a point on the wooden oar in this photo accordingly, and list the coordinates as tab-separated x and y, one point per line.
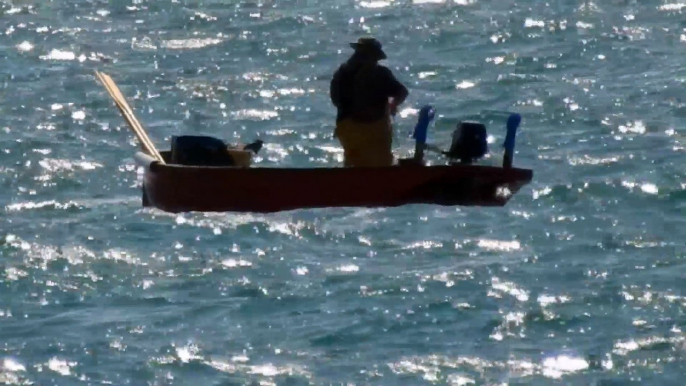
126	111
129	117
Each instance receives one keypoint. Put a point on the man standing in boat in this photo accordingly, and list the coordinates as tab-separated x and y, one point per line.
366	94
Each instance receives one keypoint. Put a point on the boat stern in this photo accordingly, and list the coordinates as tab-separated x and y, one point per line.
145	161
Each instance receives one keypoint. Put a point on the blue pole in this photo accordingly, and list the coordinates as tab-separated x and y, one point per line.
512	124
426	114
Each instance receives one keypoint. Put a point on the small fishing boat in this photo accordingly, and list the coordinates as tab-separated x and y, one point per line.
174	187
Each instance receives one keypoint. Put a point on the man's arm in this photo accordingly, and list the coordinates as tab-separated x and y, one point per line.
334	89
396	90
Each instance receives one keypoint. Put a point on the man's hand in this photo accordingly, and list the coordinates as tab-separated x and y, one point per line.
393	107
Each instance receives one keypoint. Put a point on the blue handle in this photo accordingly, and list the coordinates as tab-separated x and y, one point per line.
426	114
512	124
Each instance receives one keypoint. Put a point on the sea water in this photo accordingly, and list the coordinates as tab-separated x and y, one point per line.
578	280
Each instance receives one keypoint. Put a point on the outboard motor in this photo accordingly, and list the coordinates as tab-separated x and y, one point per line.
469	142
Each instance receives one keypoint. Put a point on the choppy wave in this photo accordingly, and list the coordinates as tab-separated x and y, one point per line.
577	280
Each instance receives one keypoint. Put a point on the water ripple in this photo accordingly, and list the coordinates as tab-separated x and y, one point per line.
576	281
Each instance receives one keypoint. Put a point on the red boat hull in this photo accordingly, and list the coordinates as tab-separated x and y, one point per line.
176	188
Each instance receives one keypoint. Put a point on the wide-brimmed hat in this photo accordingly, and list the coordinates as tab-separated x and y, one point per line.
369	45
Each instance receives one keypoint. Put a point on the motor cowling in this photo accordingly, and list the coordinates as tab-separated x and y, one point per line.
470	142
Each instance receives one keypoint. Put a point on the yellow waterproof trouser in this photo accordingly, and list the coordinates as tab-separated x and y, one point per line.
366	143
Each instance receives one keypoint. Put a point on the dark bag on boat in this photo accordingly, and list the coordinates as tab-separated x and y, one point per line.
470	142
195	150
